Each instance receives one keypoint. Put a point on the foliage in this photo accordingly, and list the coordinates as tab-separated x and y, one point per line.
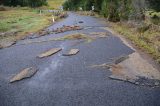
112	9
30	3
54	4
115	10
154	4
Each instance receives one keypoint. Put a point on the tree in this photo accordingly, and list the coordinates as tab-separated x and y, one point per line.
154	4
30	3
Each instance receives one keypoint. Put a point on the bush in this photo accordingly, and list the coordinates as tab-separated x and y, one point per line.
29	3
155	19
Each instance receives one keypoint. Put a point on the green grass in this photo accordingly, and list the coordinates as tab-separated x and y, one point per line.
23	21
55	4
146	41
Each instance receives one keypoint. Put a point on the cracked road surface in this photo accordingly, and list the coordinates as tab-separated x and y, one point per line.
69	81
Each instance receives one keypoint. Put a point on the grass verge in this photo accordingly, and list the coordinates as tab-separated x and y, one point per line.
149	40
23	21
17	23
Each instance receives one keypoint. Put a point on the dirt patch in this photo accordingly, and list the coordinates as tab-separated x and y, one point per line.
71	52
2	8
140	67
105	65
26	73
67	28
67	37
157	38
5	44
47	32
99	34
49	52
133	69
6	34
74	37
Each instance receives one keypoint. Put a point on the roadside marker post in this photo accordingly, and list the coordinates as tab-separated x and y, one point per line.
40	12
93	8
80	8
53	19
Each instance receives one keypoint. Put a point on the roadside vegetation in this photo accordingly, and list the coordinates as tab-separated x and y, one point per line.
17	22
55	4
138	20
149	40
22	21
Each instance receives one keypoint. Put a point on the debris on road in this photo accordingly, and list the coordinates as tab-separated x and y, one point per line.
66	37
26	73
105	65
110	65
75	37
67	28
49	52
133	69
58	30
71	52
99	34
5	44
120	59
136	70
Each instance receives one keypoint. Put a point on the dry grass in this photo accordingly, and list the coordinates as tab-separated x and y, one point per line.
66	37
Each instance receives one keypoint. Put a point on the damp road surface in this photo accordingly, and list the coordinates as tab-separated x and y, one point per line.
70	81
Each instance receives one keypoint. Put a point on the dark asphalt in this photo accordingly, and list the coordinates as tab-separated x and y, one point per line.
69	81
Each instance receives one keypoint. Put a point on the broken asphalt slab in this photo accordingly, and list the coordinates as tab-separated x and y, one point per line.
136	69
49	52
71	52
67	28
26	73
60	82
133	69
6	44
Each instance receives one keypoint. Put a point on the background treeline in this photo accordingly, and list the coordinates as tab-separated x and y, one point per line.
154	4
29	3
116	10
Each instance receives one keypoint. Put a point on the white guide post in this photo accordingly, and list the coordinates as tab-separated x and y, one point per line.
53	19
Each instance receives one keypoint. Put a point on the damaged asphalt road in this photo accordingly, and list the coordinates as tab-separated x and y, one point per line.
68	80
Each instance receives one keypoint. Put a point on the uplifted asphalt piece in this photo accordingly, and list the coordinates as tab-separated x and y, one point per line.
120	59
71	52
6	44
49	52
25	73
67	28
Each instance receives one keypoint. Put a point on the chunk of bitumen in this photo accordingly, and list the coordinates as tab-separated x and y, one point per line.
121	59
25	73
